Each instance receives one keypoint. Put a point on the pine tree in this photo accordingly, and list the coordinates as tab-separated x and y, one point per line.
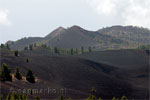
2	45
56	50
7	46
82	49
16	53
31	46
77	51
17	74
27	60
90	49
30	77
34	44
5	73
72	51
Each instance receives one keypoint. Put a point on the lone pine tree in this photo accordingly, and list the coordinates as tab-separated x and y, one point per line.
90	49
27	60
30	77
82	49
16	53
72	51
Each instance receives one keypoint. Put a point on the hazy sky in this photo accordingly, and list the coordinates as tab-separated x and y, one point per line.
24	18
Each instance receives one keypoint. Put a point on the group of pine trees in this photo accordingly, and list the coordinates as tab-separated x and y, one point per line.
57	50
5	74
144	47
5	46
72	51
30	47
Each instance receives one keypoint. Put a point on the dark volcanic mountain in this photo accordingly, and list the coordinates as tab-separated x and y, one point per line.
74	37
114	37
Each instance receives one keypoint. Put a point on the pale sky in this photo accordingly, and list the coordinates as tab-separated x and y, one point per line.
24	18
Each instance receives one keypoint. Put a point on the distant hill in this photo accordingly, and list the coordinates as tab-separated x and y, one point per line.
114	37
129	34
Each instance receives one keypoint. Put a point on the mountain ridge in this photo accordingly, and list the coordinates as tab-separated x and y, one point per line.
114	37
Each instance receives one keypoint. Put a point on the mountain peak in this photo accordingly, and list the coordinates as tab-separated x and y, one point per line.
56	32
60	28
75	27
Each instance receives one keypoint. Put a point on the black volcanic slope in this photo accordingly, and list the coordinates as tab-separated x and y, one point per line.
76	74
114	37
119	58
133	65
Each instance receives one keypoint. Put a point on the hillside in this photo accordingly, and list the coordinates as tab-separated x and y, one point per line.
129	34
114	37
119	58
133	65
78	75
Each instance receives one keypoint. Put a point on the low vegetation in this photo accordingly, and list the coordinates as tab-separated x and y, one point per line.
56	50
18	96
144	47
